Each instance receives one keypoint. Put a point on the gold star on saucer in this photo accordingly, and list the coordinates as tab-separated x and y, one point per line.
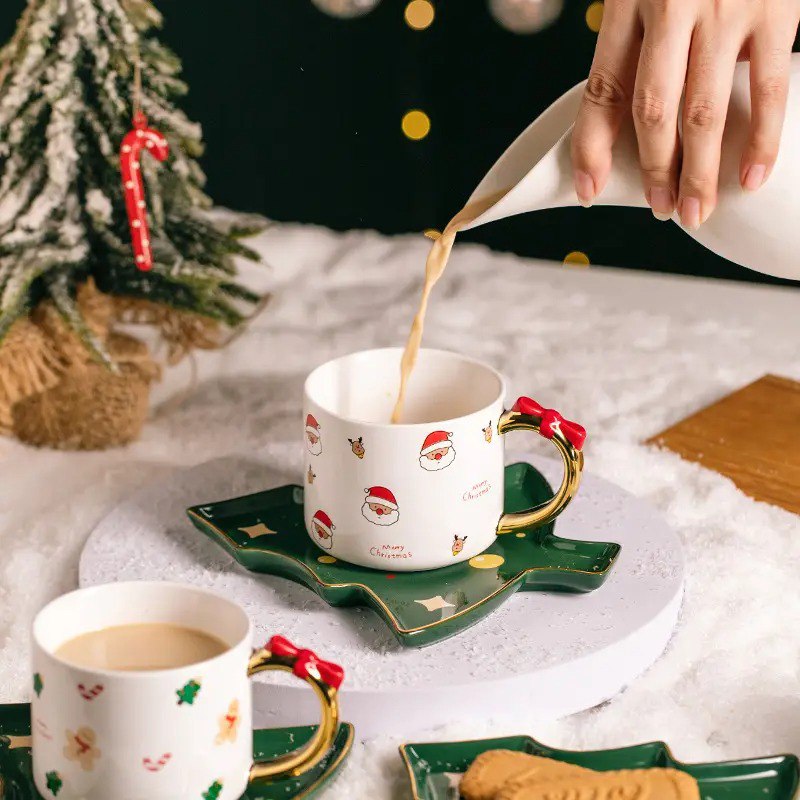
435	603
257	530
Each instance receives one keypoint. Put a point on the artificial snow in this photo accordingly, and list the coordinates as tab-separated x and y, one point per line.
626	354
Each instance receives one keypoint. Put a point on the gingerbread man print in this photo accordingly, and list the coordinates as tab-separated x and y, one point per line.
229	724
80	747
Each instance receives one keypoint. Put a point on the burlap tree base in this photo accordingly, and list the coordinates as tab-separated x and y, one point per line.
91	408
54	394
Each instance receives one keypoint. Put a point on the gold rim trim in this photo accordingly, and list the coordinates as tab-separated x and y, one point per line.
386	610
403	748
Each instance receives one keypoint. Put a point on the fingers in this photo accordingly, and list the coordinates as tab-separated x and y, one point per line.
656	102
606	99
770	64
712	60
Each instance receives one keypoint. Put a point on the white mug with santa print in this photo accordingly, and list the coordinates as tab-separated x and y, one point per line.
428	492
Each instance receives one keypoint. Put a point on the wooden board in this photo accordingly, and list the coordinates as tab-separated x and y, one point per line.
752	436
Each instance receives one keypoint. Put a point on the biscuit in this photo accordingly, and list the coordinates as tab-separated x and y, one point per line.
641	784
493	769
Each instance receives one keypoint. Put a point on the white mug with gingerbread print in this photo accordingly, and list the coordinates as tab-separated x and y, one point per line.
161	734
428	492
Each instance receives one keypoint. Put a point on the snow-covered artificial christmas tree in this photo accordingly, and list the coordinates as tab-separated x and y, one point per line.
68	94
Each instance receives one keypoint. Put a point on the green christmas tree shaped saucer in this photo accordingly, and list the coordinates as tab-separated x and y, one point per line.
16	779
435	768
265	532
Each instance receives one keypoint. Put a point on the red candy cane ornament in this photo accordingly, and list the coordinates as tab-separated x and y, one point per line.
149	140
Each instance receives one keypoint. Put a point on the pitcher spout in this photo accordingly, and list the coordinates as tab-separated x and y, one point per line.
535	172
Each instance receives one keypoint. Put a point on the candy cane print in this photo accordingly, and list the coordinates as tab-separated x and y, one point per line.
90	692
43	730
156	766
130	166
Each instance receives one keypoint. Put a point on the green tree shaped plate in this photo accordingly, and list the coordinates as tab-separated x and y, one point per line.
16	779
265	533
435	769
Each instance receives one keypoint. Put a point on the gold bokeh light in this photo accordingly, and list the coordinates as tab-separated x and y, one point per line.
420	14
416	124
576	259
594	16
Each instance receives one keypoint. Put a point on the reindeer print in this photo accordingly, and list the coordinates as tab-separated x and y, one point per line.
311	475
80	747
357	446
458	544
487	432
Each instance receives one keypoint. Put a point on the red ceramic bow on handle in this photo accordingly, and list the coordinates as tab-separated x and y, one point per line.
325	678
568	437
306	662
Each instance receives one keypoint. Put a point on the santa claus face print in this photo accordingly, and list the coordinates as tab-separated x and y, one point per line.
313	436
323	528
314	444
379	514
380	507
438	459
437	451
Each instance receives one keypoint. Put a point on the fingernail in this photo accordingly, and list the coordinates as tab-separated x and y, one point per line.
754	177
584	188
661	203
690	213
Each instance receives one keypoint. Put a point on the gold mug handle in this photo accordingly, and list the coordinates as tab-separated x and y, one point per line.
325	678
568	437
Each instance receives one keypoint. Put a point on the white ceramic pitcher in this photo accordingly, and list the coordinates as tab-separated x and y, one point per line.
759	230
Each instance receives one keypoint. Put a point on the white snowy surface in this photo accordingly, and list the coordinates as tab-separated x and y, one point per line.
625	354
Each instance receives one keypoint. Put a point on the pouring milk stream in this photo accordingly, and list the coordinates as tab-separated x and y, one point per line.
760	231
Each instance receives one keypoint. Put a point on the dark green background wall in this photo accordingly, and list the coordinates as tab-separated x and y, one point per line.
302	120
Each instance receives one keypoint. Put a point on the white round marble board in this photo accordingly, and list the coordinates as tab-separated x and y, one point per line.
552	653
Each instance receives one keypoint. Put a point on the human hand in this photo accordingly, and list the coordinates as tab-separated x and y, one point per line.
648	52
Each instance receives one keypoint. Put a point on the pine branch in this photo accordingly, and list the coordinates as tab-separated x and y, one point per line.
60	293
65	105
